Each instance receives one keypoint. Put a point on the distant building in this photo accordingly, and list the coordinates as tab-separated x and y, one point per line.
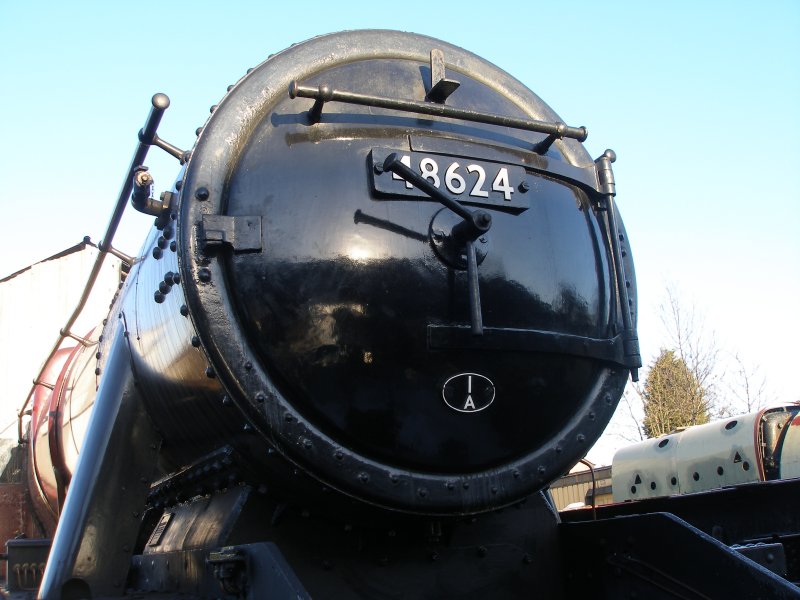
575	488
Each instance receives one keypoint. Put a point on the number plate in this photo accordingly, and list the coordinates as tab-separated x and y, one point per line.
467	180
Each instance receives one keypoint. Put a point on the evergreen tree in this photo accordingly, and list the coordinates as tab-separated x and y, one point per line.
673	397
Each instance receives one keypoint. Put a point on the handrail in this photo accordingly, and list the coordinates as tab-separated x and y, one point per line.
147	136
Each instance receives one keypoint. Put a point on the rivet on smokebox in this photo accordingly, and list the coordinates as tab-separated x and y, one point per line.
204	275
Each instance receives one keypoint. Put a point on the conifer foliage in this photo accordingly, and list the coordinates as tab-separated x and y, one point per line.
672	396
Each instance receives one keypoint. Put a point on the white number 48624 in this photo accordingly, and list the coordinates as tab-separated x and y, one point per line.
474	177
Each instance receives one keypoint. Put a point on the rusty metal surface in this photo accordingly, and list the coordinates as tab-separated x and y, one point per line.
15	515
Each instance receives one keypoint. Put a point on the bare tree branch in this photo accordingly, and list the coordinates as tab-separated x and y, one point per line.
687	384
748	385
629	404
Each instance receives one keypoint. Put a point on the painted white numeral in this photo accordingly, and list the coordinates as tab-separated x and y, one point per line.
406	160
454	182
501	184
477	189
429	170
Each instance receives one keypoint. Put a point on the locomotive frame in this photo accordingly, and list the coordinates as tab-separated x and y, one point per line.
222	401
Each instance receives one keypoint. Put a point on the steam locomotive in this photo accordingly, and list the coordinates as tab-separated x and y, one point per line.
388	300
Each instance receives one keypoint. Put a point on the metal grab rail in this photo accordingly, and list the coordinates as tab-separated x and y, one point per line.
147	138
325	93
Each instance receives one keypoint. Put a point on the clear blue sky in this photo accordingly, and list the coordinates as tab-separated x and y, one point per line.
700	100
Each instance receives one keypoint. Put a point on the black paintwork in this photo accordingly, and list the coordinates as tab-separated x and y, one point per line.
284	344
333	312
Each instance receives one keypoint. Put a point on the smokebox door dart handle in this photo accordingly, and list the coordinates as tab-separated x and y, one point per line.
475	224
475	316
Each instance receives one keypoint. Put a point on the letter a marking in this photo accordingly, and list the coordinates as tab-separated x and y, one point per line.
469	404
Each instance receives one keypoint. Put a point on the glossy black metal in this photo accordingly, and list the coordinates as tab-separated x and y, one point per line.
475	315
660	556
359	553
475	223
608	188
478	222
160	103
324	93
142	188
102	492
610	350
169	148
737	516
333	314
147	134
300	331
